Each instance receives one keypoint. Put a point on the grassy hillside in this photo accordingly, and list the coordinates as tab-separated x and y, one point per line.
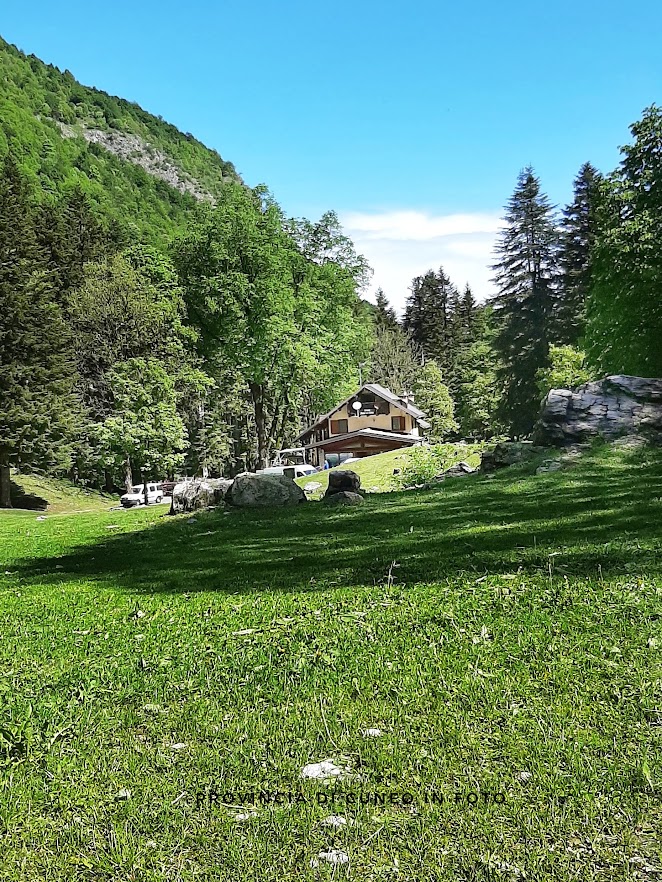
39	105
376	472
165	682
53	496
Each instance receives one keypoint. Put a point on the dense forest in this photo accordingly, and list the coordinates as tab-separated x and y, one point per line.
157	316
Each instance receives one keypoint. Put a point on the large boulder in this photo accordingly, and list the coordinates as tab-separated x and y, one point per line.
193	495
609	408
343	481
250	490
507	453
344	497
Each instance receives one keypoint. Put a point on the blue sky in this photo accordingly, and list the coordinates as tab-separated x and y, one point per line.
411	120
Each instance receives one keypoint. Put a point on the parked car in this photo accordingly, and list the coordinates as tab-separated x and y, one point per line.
300	470
136	496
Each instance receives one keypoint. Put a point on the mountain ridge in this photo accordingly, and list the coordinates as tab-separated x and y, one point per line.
138	170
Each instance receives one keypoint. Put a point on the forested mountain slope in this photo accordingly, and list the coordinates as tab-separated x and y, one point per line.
143	173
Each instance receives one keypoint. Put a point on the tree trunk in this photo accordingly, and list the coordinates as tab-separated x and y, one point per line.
202	444
260	424
128	475
5	495
108	481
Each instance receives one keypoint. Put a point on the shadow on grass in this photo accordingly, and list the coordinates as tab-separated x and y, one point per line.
598	517
22	500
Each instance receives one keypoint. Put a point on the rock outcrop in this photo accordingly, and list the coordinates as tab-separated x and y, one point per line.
250	490
133	149
608	408
193	495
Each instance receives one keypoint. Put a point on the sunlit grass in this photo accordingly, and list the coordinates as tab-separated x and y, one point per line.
503	634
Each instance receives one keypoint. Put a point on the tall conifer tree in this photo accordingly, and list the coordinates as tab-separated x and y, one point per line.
577	236
428	317
386	317
527	279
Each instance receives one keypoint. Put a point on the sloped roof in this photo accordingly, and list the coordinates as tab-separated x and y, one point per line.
382	392
380	434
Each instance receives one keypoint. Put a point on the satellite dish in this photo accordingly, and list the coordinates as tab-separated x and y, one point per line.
356	406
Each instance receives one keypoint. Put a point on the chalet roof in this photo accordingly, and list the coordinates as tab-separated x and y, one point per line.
380	434
382	392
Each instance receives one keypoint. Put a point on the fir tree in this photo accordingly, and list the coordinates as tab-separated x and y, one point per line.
577	236
385	314
527	279
428	317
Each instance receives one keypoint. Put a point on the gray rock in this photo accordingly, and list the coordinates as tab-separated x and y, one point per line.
610	408
550	465
249	490
193	495
311	487
344	497
343	480
507	453
460	470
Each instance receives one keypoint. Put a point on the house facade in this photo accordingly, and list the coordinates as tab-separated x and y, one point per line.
372	420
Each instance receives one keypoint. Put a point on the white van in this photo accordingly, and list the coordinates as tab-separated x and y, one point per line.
136	496
300	470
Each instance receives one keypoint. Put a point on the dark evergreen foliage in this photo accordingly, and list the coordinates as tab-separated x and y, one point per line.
527	277
385	315
429	317
577	238
37	405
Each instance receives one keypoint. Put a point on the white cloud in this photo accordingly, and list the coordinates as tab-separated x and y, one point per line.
402	244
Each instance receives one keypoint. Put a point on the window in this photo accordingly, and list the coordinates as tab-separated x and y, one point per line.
338	427
398	424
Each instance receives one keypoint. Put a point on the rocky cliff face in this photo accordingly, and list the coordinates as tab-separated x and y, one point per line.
608	408
134	149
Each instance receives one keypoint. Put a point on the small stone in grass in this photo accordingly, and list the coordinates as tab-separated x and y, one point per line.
152	708
180	745
371	733
245	816
334	821
323	771
122	794
333	856
524	777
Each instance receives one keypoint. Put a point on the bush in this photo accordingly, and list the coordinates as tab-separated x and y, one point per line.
427	461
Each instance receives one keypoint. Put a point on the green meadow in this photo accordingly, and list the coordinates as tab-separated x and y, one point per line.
480	661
